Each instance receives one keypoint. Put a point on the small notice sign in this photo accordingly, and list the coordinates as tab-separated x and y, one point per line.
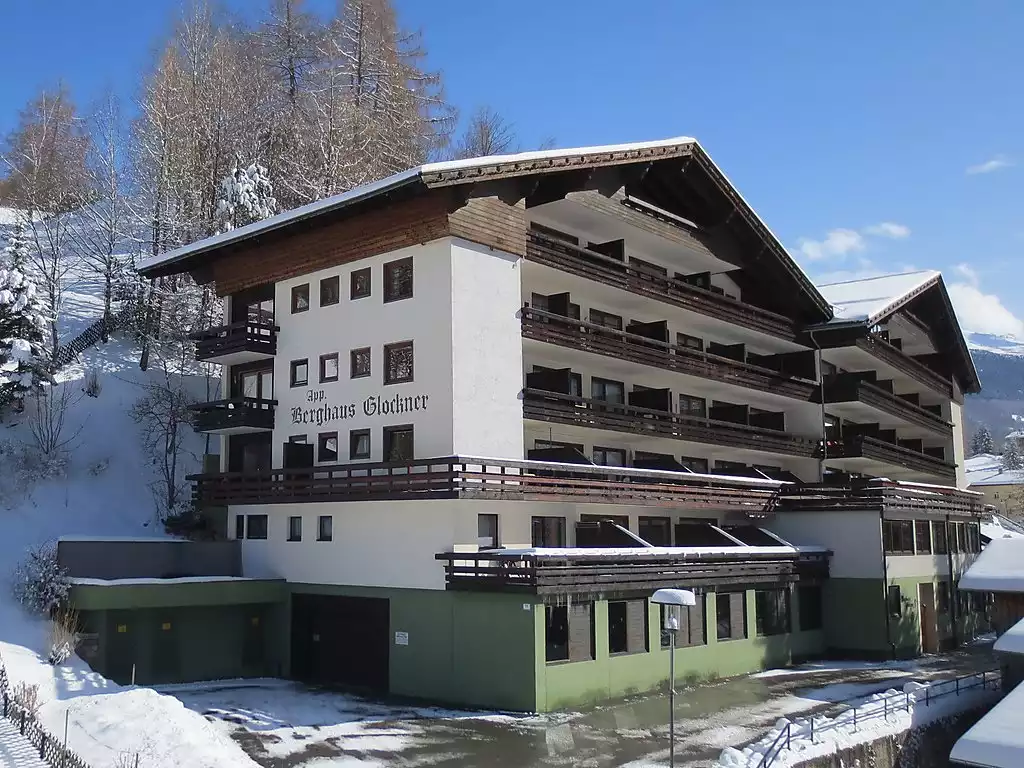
401	638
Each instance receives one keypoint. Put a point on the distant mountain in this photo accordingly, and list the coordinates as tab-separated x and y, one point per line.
1000	363
997	345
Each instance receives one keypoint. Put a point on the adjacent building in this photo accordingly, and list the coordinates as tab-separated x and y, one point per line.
482	409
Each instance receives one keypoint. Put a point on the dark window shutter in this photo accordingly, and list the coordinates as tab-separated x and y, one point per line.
581	636
695	621
737	613
683	635
636	626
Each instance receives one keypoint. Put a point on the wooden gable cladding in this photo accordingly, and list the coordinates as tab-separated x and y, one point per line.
382	230
492	222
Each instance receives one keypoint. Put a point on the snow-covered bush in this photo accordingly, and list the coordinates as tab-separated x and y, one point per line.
27	697
91	385
246	195
39	582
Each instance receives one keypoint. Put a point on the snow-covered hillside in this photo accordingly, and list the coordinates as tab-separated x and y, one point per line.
997	345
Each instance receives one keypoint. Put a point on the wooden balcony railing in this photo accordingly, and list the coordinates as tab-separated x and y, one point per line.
887	353
477	478
845	389
622	573
621	345
645	281
867	447
881	496
239	414
599	414
260	339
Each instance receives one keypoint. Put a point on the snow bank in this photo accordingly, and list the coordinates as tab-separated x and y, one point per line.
997	740
999	568
882	714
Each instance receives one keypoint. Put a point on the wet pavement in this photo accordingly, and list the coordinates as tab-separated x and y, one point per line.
631	733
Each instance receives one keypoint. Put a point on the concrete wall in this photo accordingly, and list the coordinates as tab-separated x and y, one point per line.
855	539
156	558
956	418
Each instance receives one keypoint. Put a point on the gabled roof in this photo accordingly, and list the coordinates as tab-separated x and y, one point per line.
497	168
999	568
987	469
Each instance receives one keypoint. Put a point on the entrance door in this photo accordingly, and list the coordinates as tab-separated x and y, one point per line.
249	452
341	640
120	651
929	630
166	654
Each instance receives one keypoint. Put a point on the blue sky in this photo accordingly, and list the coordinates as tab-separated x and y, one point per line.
871	136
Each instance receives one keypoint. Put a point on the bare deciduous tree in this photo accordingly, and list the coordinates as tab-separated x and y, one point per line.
487	133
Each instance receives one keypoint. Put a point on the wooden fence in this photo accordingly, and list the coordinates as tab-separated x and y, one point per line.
122	318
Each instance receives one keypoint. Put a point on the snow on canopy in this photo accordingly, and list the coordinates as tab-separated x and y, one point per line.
999	568
246	196
872	298
997	740
1012	640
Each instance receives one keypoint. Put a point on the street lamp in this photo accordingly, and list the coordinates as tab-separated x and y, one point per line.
673	600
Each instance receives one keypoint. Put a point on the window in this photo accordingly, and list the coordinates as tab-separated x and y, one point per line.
487	531
975	536
360	362
810	608
300	298
359	444
295	528
239	526
398	443
256	527
398	362
922	537
607	390
609	457
656	531
690	342
398	280
898	537
361	283
942	597
299	375
731	615
894	602
693	406
957	540
327	447
627	626
556	633
694	464
542	302
328	367
646	267
548	531
617	627
297	439
771	611
939	537
324	528
691	625
607	319
330	291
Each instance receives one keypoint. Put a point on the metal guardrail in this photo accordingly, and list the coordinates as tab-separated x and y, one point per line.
893	703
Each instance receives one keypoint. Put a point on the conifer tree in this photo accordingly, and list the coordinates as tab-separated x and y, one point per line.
1012	459
23	326
982	441
246	195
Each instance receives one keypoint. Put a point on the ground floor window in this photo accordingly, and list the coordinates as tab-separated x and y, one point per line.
239	526
893	601
691	625
923	537
898	537
295	528
548	531
771	611
731	615
627	626
556	632
569	632
325	528
810	608
256	527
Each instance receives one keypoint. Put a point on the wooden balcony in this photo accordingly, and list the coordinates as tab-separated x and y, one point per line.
235	416
555	407
644	281
622	345
882	452
847	388
459	477
619	572
237	343
884	496
890	355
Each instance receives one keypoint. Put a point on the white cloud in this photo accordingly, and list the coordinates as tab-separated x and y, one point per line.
966	271
889	229
995	164
981	312
837	242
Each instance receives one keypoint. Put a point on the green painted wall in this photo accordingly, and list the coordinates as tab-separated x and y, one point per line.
568	684
176	593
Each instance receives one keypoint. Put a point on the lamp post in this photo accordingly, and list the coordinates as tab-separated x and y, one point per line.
673	600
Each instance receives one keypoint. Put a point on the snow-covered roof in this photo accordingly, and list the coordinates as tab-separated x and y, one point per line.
79	581
872	298
997	740
584	553
987	469
999	568
1012	640
1000	527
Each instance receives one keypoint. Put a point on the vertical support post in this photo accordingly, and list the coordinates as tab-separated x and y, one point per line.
812	728
672	698
67	713
885	707
133	674
854	719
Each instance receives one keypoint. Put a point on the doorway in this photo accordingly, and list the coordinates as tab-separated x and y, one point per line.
250	452
929	629
341	641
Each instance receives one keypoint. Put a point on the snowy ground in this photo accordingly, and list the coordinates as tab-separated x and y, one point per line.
15	749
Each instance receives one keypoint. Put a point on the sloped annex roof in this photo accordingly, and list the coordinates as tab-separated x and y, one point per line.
987	469
997	740
869	301
999	568
497	168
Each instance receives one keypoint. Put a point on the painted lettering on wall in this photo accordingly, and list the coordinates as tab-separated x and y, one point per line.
374	405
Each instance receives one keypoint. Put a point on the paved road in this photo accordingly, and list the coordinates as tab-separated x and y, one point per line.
15	749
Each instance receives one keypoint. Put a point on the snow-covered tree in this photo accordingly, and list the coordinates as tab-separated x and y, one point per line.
982	441
1012	458
18	249
39	582
246	195
22	335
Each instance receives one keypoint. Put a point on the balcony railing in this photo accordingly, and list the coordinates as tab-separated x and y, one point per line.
600	414
881	496
887	353
240	414
876	449
645	281
248	340
845	389
540	325
634	572
476	478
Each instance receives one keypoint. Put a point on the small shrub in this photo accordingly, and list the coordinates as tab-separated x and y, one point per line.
127	760
92	385
63	634
98	468
27	696
39	583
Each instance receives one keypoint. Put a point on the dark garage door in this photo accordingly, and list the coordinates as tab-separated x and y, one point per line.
341	640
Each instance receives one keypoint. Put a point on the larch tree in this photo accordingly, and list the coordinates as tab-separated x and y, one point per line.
487	133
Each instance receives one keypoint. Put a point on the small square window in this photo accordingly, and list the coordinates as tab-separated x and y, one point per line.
256	527
325	528
327	447
330	291
295	528
360	362
361	283
398	362
359	444
329	367
299	375
398	444
398	280
300	298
